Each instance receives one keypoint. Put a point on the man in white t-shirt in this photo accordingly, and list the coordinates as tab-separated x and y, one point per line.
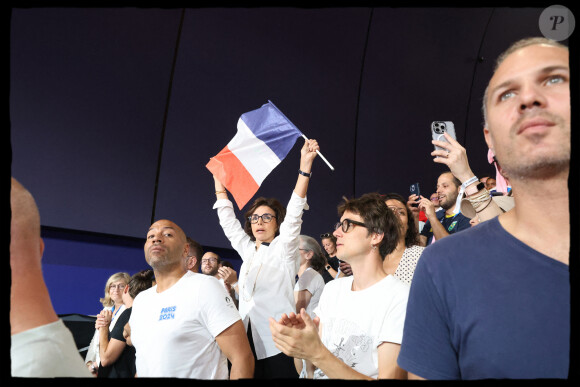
186	325
212	264
359	325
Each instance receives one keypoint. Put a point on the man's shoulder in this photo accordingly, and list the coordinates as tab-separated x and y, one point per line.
467	242
338	284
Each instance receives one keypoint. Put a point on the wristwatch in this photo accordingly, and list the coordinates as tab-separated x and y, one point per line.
328	267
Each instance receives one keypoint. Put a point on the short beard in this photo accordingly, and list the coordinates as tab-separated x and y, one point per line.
448	203
213	272
538	168
541	169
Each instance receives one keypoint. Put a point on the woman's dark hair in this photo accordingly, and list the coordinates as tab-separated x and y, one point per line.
412	235
140	281
377	217
274	204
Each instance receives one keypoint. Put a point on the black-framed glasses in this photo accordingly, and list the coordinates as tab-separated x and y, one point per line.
266	218
326	235
346	224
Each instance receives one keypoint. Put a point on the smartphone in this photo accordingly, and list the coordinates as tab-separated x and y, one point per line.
440	127
414	189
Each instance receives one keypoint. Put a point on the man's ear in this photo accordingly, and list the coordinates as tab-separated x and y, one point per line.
191	262
377	238
488	139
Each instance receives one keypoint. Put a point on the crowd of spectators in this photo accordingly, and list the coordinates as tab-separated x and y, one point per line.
464	284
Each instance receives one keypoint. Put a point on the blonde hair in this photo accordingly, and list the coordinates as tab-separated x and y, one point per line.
107	301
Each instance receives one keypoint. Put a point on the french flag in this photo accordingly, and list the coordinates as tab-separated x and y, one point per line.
264	138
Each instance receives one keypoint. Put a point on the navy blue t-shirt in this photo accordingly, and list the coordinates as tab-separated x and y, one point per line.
485	305
452	224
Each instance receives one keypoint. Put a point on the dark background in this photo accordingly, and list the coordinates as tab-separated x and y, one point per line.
114	113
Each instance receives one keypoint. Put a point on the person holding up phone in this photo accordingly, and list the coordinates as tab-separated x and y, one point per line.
478	195
441	224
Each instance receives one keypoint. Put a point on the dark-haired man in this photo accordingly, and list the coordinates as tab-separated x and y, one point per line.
358	328
442	223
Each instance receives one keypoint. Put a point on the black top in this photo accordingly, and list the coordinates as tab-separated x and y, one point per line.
124	367
333	262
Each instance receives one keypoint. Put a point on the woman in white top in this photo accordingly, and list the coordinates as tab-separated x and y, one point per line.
268	245
402	261
310	283
308	289
113	301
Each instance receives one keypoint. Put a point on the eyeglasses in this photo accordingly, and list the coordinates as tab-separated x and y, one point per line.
325	235
117	286
206	260
346	224
266	218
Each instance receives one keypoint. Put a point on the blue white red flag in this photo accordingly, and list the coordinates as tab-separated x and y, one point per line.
264	138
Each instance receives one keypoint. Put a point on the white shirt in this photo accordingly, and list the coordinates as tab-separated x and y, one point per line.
267	276
355	323
408	263
174	331
313	282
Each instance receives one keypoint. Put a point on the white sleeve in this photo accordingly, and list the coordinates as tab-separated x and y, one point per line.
392	329
291	227
218	311
232	227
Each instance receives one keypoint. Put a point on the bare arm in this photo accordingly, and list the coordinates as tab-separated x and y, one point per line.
302	298
307	155
429	209
455	157
415	377
109	350
233	342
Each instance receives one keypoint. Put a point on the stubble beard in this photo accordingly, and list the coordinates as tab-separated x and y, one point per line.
519	165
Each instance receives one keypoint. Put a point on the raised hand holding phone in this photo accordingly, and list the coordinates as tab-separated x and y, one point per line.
438	130
414	190
452	154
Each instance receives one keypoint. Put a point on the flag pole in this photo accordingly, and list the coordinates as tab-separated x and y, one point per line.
320	154
306	138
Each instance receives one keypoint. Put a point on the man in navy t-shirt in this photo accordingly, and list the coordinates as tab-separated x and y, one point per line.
442	223
493	302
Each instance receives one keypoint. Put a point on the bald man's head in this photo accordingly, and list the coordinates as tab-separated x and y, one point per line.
166	245
25	216
24	224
